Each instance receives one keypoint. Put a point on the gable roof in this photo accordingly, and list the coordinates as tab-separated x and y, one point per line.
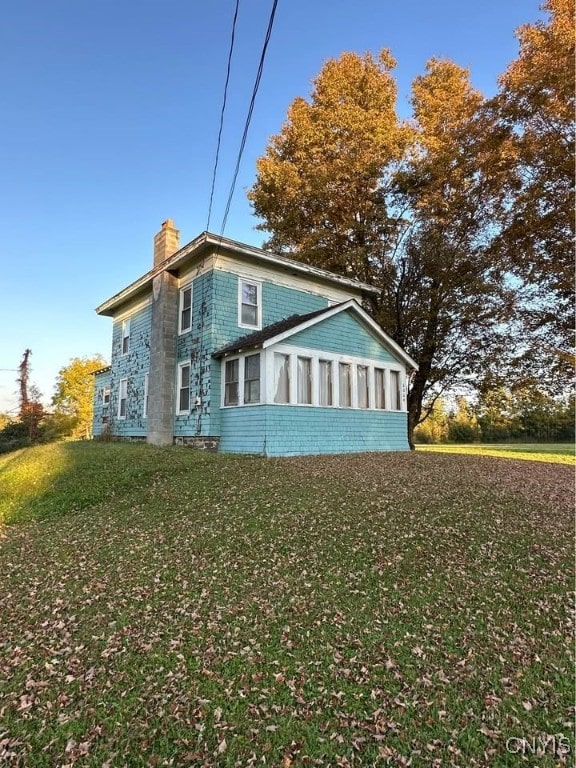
277	332
206	241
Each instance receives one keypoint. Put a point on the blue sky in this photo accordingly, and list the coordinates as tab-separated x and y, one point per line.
109	123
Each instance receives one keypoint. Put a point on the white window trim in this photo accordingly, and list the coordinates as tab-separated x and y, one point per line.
122	381
267	382
185	364
106	392
145	407
125	334
258	285
182	330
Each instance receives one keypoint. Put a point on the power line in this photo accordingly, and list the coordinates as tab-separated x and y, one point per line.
223	110
249	115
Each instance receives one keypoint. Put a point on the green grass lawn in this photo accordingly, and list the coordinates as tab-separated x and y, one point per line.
558	453
172	607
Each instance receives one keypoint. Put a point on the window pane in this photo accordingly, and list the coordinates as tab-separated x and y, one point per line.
379	388
362	382
123	407
184	398
231	382
304	380
325	382
395	390
345	386
249	294
249	315
252	379
281	378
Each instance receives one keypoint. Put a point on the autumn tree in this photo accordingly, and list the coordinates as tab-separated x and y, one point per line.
535	108
346	187
75	393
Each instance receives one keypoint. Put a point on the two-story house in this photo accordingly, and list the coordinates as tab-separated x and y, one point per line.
223	345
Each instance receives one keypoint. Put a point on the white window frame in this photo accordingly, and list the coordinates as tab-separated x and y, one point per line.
258	285
265	360
145	408
123	383
125	337
106	397
181	328
181	366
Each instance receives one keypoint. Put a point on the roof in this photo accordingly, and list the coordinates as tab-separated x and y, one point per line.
277	332
207	241
102	370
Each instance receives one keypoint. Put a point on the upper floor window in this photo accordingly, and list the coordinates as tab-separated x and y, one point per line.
249	304
122	398
125	336
184	388
185	309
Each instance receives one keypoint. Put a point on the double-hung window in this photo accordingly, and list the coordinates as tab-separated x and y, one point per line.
252	379
184	388
106	396
325	383
145	409
122	398
185	309
231	382
125	336
249	304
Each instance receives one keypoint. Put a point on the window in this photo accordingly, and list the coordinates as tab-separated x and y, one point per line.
122	398
325	375
249	309
281	378
145	411
185	316
345	381
125	336
252	379
362	385
184	388
379	388
395	397
106	396
304	381
231	380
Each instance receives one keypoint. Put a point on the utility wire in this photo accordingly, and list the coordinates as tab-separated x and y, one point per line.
222	111
249	115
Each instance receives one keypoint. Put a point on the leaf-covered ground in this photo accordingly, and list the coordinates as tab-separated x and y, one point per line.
557	453
168	607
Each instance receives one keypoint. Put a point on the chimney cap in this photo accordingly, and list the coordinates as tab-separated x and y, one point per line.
168	223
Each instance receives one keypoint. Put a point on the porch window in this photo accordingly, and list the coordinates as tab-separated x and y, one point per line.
231	380
395	396
379	388
252	379
304	381
345	381
325	376
281	378
362	385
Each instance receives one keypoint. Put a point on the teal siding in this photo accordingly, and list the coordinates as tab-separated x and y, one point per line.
132	366
101	416
342	334
243	429
196	347
278	302
285	430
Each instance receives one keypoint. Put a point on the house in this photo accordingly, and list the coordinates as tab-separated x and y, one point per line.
225	346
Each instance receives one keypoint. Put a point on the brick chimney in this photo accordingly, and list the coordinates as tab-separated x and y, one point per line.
166	242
